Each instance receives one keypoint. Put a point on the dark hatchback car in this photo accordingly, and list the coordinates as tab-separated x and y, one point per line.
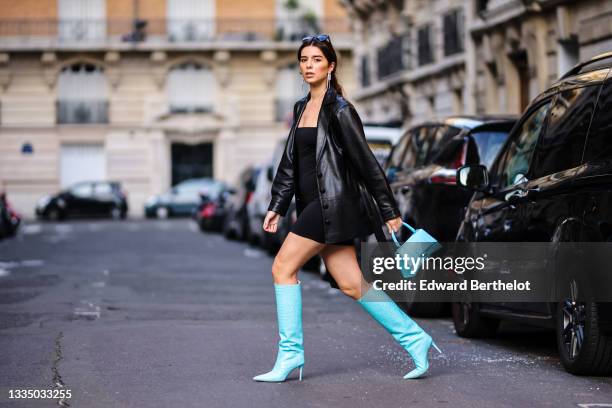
236	223
552	182
85	199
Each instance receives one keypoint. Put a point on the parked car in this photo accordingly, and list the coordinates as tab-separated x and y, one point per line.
236	225
9	218
381	138
258	205
428	196
210	214
552	182
85	199
181	200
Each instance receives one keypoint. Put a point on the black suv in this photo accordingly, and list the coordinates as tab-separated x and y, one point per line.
551	182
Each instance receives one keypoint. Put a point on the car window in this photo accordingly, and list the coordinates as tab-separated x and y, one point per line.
424	141
190	187
397	154
432	144
101	189
488	144
599	143
449	153
82	190
518	153
561	145
413	145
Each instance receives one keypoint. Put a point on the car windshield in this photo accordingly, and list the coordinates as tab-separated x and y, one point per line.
192	187
488	144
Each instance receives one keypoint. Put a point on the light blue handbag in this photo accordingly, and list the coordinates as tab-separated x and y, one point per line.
419	245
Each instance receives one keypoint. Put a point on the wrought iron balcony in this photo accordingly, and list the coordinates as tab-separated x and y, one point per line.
64	32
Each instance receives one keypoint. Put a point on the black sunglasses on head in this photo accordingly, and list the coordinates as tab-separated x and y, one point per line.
319	37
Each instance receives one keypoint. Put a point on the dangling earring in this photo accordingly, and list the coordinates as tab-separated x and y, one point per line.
328	79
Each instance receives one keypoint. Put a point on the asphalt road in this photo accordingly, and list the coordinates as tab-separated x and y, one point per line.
156	314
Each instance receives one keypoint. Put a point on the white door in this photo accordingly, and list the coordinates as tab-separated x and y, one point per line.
81	162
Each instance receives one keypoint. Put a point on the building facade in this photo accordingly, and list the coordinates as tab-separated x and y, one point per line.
149	92
418	60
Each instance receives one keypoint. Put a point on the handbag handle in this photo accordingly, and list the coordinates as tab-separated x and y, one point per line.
393	233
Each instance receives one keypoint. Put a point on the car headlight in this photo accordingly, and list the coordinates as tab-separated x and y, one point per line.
43	201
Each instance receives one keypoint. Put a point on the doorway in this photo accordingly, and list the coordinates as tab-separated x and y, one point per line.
191	161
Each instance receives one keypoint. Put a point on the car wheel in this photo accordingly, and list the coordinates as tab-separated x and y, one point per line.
470	323
161	212
115	213
584	348
53	214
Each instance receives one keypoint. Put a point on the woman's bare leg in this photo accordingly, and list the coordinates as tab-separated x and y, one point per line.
292	255
341	263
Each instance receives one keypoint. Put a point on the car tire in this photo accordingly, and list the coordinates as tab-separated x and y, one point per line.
470	323
54	214
584	347
115	213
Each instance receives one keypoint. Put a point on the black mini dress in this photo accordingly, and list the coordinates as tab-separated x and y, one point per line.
309	222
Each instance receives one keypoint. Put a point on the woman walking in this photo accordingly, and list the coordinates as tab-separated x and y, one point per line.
328	165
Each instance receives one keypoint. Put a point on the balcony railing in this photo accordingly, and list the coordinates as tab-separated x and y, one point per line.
175	107
69	32
82	111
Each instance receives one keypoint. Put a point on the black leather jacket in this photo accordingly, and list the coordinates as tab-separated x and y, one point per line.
348	174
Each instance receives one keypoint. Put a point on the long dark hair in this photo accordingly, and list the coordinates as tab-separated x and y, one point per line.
330	53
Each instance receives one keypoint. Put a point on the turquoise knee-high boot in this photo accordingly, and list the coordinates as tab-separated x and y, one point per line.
291	345
405	330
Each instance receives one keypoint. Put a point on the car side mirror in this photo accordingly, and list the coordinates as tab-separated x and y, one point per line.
270	175
474	177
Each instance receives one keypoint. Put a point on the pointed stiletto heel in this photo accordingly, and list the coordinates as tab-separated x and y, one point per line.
403	329
436	347
291	345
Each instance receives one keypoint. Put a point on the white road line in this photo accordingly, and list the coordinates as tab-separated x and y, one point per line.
63	229
32	262
31	229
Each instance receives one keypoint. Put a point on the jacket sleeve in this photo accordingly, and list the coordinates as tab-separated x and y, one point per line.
283	184
353	140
